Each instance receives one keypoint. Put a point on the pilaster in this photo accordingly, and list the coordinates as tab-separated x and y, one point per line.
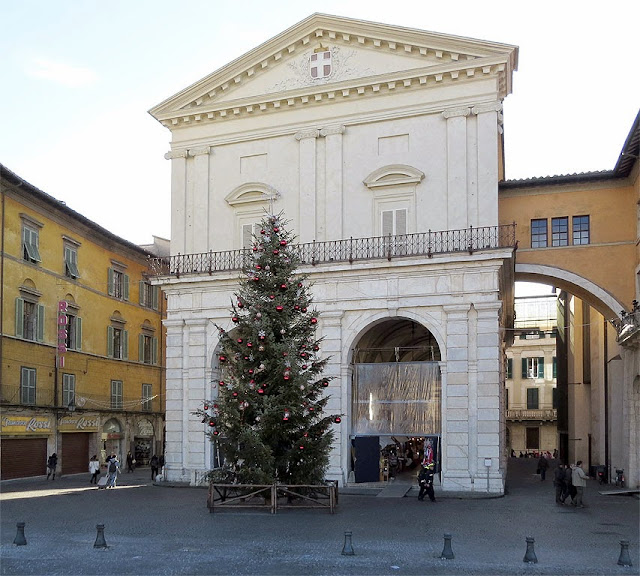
197	238
486	204
333	181
178	199
457	217
308	180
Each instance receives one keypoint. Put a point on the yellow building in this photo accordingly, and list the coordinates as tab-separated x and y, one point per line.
82	347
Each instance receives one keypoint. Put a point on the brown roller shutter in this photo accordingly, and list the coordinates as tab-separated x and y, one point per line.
23	457
75	453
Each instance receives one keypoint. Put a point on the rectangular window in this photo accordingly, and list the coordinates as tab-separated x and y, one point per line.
580	230
146	397
30	244
118	284
555	367
532	398
560	231
506	398
539	233
116	394
394	222
147	349
533	368
117	343
27	385
148	295
509	367
554	399
29	320
68	389
71	262
249	232
74	332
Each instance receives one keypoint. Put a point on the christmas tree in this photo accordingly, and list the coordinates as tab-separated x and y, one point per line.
268	417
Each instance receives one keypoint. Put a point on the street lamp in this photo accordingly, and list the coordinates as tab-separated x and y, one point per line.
72	405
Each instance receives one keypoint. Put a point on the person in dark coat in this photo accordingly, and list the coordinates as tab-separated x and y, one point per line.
130	462
154	467
570	491
560	483
543	464
425	480
52	464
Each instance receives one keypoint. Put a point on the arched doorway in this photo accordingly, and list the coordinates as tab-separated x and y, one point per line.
112	438
396	400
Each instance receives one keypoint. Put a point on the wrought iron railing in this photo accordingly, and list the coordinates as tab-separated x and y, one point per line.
427	244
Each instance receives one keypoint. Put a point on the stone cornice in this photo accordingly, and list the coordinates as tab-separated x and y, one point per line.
370	87
202	150
173	154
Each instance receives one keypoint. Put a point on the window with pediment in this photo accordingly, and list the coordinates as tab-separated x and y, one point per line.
250	201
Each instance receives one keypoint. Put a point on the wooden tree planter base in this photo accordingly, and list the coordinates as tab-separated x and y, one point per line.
273	496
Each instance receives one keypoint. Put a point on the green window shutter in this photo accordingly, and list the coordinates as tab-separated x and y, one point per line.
125	345
110	282
40	323
555	367
524	367
509	367
110	341
78	333
154	350
541	368
155	290
141	347
141	285
19	318
125	280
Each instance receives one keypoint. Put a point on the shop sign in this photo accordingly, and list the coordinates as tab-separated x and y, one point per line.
114	436
26	425
145	428
78	423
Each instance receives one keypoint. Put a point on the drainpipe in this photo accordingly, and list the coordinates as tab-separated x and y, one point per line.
2	285
605	359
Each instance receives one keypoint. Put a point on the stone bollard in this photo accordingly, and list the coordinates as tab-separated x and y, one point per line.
347	549
20	540
100	541
624	559
530	555
447	552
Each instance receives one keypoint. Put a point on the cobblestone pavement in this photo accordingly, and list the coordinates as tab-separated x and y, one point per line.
157	530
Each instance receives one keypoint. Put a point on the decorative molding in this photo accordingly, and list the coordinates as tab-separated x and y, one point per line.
331	130
393	175
489	107
173	154
251	192
30	220
456	112
199	151
310	133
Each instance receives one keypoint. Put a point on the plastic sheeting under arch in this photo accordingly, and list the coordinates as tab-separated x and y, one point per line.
400	398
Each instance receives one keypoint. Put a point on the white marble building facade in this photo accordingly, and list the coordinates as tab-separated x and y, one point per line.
398	133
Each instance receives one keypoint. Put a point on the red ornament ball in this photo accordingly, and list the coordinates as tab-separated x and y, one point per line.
325	383
222	383
271	296
249	344
212	423
215	432
263	232
276	252
222	358
260	391
256	279
235	394
283	242
240	304
283	286
239	340
279	308
301	447
314	320
276	229
337	419
235	319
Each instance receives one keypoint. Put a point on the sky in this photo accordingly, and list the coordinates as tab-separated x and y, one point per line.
80	76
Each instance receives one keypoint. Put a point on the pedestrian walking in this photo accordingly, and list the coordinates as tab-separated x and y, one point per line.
543	464
113	468
579	479
94	469
559	483
52	464
425	480
154	467
130	463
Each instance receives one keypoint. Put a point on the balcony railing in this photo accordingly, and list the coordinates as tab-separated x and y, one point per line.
542	415
468	240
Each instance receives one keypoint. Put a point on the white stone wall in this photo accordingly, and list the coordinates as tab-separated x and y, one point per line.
456	298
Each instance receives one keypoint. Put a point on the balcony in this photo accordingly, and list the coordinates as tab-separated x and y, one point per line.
468	240
546	415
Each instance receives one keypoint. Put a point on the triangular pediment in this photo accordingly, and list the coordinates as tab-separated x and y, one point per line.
359	56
